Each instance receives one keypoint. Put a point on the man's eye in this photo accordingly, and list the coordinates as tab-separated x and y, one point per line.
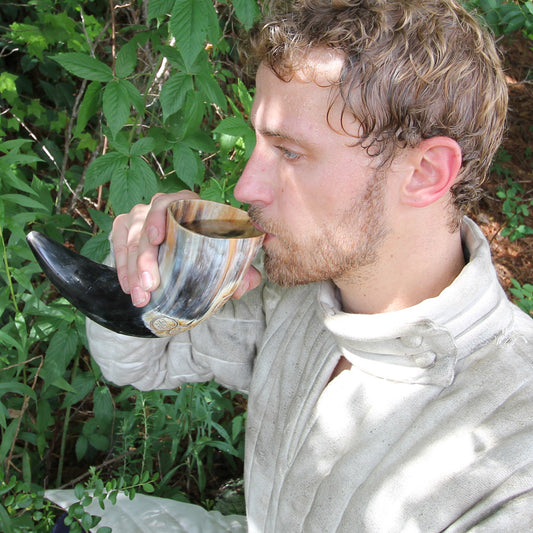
288	154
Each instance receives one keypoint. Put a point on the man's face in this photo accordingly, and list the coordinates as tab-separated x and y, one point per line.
310	190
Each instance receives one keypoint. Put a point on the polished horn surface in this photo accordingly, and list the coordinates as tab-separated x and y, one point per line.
208	248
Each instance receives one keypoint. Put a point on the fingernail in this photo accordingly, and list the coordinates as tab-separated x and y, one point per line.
152	234
125	285
146	281
138	296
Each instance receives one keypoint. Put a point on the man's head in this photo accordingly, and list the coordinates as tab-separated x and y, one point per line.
413	70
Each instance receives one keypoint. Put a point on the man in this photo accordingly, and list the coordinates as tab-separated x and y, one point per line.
389	378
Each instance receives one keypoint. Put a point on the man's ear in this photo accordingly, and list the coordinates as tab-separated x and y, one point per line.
435	164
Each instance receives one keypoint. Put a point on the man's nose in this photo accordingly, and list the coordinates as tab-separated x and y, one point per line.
256	184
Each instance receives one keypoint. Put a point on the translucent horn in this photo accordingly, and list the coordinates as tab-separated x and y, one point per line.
208	248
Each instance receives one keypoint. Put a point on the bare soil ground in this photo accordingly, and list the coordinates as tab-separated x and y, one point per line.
513	259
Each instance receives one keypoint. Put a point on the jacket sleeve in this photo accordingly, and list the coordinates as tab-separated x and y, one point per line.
222	348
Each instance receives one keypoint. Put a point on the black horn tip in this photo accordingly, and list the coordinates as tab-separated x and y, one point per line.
91	287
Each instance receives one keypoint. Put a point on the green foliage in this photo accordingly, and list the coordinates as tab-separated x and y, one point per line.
505	17
516	201
100	110
515	207
23	507
523	295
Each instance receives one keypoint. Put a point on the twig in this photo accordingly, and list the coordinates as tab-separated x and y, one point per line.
21	363
113	37
96	468
68	139
22	411
79	188
34	137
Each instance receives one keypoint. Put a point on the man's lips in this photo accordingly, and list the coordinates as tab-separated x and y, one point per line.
268	236
258	227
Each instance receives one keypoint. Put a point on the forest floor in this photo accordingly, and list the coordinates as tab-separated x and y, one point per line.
513	260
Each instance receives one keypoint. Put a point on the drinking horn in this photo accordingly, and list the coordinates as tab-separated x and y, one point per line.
208	248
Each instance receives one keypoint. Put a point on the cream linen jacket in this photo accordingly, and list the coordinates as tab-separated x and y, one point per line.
431	429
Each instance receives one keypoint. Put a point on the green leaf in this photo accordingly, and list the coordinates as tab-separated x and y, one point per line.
201	141
234	126
116	106
84	66
62	349
247	12
82	384
188	165
143	146
96	248
89	106
103	168
158	8
121	143
103	405
174	57
133	94
82	445
32	36
141	169
13	145
208	86
3	418
17	388
244	96
10	178
7	439
126	59
102	220
100	442
237	425
20	199
193	113
191	21
137	184
174	92
79	491
14	158
86	521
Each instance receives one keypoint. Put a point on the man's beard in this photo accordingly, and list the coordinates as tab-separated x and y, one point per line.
342	252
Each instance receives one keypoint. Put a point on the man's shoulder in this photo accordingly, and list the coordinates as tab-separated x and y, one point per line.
288	300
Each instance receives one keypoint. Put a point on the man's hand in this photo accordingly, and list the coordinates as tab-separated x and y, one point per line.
136	238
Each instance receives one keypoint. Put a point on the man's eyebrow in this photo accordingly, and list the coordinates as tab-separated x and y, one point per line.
277	134
283	136
280	134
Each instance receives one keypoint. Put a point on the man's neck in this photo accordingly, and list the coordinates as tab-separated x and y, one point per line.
407	272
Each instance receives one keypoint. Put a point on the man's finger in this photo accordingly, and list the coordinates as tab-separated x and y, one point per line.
251	280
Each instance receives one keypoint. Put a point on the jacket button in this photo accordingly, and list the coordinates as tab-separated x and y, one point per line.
424	360
412	341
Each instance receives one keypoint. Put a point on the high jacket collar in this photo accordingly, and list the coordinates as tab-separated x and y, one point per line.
422	344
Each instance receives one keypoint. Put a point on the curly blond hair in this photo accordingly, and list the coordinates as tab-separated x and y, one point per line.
413	69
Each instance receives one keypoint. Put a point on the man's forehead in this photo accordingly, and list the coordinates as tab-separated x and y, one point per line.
320	68
320	65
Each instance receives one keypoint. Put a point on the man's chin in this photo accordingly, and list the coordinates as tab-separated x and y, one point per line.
287	274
